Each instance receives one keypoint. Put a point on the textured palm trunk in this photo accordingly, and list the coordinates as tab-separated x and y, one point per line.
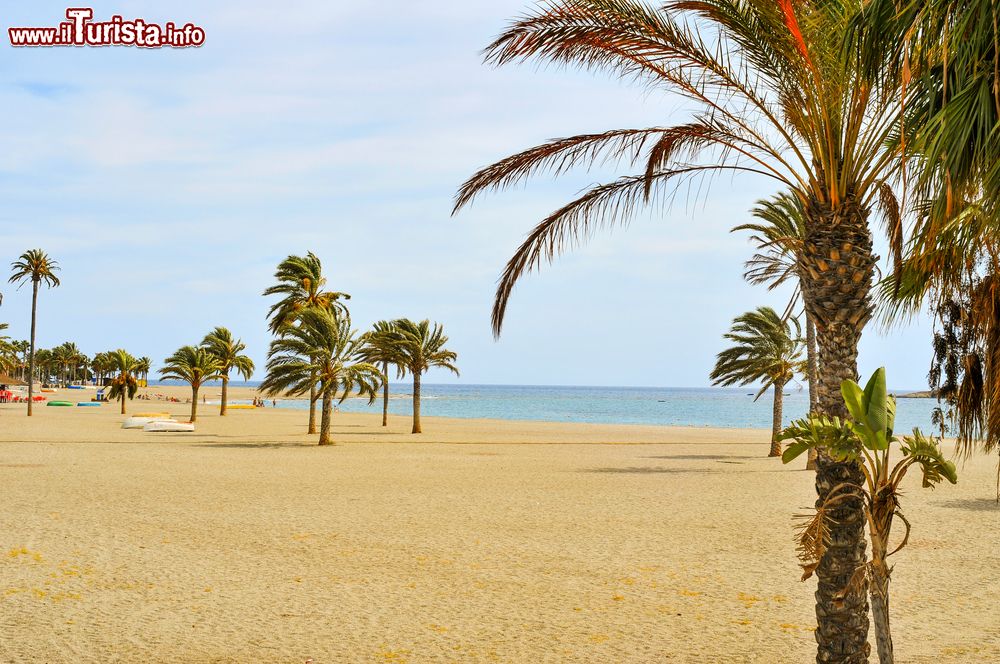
837	267
31	350
385	395
812	367
324	425
779	397
416	402
194	402
225	395
312	403
879	593
123	403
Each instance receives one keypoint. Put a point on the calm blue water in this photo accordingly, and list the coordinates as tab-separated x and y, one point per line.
714	407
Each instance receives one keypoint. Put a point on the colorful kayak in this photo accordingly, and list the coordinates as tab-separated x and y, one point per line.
240	406
88	403
62	404
154	416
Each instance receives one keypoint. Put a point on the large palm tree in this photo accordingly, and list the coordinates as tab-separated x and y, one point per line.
195	366
380	348
35	266
229	352
125	384
420	346
766	348
801	93
300	282
323	348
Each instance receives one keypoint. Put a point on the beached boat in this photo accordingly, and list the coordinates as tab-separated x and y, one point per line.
62	404
138	421
168	426
153	416
88	403
240	406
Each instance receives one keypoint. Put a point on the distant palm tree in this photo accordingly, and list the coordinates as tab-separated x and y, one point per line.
229	352
780	235
381	348
125	384
323	348
194	366
420	347
766	348
300	283
143	369
35	266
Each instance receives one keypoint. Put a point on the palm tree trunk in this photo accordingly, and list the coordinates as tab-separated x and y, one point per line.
324	425
385	395
879	594
225	395
312	403
779	397
837	264
31	349
194	402
812	369
123	403
416	402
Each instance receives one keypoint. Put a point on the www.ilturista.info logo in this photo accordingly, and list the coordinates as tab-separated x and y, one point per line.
80	30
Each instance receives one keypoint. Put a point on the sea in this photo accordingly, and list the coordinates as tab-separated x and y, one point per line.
672	406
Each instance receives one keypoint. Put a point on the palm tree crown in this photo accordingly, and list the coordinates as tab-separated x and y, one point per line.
300	282
36	266
765	348
420	346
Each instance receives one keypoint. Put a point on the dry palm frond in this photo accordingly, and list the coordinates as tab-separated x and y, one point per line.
812	534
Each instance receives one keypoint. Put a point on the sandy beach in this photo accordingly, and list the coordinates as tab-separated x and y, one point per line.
478	541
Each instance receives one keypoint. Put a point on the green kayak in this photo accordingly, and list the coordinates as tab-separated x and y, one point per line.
59	403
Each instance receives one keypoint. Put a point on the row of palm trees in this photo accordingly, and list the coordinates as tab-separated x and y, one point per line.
849	107
317	353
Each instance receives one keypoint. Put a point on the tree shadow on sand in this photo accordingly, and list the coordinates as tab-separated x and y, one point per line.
259	446
646	470
972	504
702	457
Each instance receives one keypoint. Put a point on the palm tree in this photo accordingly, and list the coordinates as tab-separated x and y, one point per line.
300	283
418	348
194	366
779	235
143	368
801	93
229	352
380	349
766	348
323	348
35	266
125	384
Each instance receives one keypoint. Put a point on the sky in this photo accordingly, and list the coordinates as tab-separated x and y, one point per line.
168	183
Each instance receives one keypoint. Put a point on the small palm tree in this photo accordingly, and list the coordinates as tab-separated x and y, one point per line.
194	366
300	283
125	384
229	352
35	266
868	440
381	349
323	348
419	347
765	348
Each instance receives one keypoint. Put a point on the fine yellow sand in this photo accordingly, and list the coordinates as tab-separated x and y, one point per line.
478	541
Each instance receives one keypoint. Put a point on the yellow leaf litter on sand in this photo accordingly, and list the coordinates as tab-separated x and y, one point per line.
690	593
599	638
397	656
440	629
748	600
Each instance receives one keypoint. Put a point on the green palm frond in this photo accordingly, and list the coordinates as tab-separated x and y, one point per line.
765	347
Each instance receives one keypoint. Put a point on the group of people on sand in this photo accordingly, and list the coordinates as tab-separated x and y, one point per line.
260	402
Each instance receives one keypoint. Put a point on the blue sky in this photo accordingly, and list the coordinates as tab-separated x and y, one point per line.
168	183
